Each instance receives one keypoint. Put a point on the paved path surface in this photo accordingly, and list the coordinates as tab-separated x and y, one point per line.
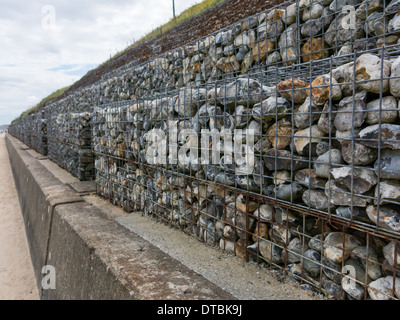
17	281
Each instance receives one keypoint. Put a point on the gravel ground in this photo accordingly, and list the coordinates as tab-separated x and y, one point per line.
17	280
245	281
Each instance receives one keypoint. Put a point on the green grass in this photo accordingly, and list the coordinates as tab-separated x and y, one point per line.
42	103
186	15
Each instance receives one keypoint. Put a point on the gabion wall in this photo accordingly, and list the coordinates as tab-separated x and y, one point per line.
319	85
69	144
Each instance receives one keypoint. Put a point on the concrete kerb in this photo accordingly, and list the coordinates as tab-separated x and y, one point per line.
94	257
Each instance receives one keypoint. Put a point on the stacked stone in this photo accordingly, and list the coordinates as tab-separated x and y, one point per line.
69	144
40	133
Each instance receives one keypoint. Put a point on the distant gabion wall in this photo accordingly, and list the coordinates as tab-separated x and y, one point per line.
318	83
69	144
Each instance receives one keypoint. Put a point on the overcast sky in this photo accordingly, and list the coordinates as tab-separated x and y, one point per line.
47	45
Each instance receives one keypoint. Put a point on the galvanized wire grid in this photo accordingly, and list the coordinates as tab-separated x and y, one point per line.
325	177
70	145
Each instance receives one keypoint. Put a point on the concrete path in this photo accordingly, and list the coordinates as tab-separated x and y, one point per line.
17	281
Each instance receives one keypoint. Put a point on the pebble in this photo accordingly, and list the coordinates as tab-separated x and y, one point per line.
332	270
295	90
335	250
303	113
382	289
325	87
327	161
314	266
295	250
388	217
355	213
306	139
358	180
390	255
309	179
351	114
280	134
368	257
389	164
384	111
265	212
270	251
316	199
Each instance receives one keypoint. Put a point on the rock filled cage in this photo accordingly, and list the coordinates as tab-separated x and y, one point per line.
319	86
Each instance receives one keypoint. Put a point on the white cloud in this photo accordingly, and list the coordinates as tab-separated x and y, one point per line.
36	61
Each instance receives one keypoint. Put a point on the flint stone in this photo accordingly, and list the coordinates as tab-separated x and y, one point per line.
321	148
295	90
326	162
227	246
386	111
340	195
312	12
315	242
262	145
368	67
332	287
363	179
314	49
225	178
262	231
321	89
265	212
332	270
316	199
313	268
313	27
243	116
395	74
289	192
351	115
271	108
188	101
243	91
388	190
376	24
270	251
280	177
389	165
337	35
241	204
368	258
309	179
360	154
388	217
284	160
368	7
280	234
393	7
382	289
394	24
357	213
306	138
302	114
247	182
337	5
390	136
327	119
295	250
287	45
280	134
389	252
333	247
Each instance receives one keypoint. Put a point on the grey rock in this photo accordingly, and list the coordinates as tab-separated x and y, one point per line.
376	24
341	196
360	180
384	111
389	218
394	82
389	165
388	133
322	147
316	199
351	283
313	266
369	67
275	159
296	249
393	7
265	212
271	108
382	289
337	35
326	162
315	242
289	192
337	5
302	114
332	287
307	139
309	179
314	27
392	254
355	213
270	251
351	112
338	246
359	153
287	44
394	24
368	258
225	178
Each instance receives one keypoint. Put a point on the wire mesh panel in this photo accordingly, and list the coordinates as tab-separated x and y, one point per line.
69	144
